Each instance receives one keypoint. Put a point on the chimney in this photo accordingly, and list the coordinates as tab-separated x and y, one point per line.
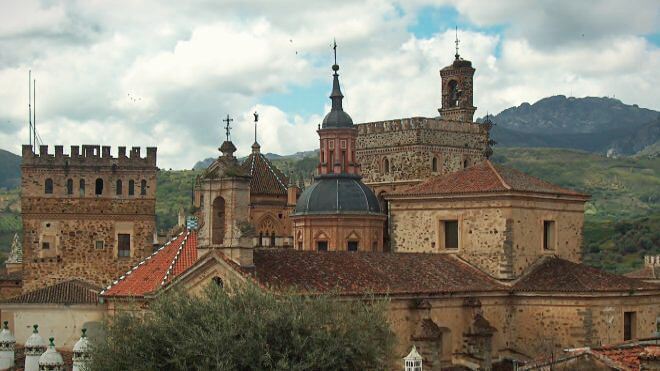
7	346
35	346
51	359
81	352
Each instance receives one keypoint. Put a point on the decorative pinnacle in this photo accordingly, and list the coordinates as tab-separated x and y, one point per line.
457	41
227	127
335	66
256	118
36	329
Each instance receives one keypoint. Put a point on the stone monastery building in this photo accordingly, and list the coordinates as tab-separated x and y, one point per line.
481	262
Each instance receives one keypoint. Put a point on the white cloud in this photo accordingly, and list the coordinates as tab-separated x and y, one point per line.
154	73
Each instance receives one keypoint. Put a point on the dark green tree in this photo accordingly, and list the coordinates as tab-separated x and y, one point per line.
248	329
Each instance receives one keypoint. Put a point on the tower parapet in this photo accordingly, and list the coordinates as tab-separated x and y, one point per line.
88	155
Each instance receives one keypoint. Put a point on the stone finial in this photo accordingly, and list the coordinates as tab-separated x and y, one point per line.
7	347
35	346
51	359
81	355
413	361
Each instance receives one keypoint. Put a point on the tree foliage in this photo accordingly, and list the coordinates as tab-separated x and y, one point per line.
248	329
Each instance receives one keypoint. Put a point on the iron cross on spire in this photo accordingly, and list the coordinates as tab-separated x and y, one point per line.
457	41
334	48
227	127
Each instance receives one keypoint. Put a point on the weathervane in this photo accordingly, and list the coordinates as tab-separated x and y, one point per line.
227	127
457	41
256	118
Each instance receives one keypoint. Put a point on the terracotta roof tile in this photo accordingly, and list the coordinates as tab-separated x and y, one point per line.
158	269
559	275
366	272
266	178
626	357
646	272
486	177
67	292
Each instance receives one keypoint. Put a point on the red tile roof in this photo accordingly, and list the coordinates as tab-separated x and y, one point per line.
266	178
647	273
67	292
559	275
625	357
363	272
158	269
485	177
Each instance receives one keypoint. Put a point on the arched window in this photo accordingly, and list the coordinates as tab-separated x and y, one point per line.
69	186
48	186
143	187
465	164
454	94
218	221
434	164
118	187
386	166
98	189
131	187
81	188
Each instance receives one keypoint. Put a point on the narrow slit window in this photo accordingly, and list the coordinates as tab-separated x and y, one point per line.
98	189
143	187
81	188
48	187
131	187
69	186
549	234
118	187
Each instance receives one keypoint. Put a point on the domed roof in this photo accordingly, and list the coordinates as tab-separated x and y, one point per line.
6	338
82	345
51	356
337	119
35	340
337	194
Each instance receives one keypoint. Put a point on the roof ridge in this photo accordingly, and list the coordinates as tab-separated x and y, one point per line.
123	276
272	171
176	257
497	174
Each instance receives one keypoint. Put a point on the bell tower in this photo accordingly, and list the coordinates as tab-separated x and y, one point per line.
457	90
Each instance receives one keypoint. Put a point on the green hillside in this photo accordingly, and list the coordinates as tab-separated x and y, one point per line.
622	221
10	169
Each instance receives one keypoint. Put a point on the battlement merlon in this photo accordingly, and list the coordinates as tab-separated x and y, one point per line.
418	123
88	155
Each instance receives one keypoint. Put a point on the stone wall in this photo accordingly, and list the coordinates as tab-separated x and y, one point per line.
410	145
526	325
80	223
500	235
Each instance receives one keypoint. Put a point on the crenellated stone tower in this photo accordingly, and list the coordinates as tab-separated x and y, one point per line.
86	215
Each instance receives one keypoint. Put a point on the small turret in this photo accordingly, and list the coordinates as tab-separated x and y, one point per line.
51	359
413	361
81	352
35	346
7	347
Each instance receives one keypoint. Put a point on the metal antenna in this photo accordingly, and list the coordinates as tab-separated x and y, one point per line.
227	127
256	118
34	111
30	107
457	41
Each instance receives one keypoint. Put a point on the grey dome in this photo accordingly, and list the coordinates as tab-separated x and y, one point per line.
337	119
337	194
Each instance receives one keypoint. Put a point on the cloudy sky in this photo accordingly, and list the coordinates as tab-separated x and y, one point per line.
164	73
